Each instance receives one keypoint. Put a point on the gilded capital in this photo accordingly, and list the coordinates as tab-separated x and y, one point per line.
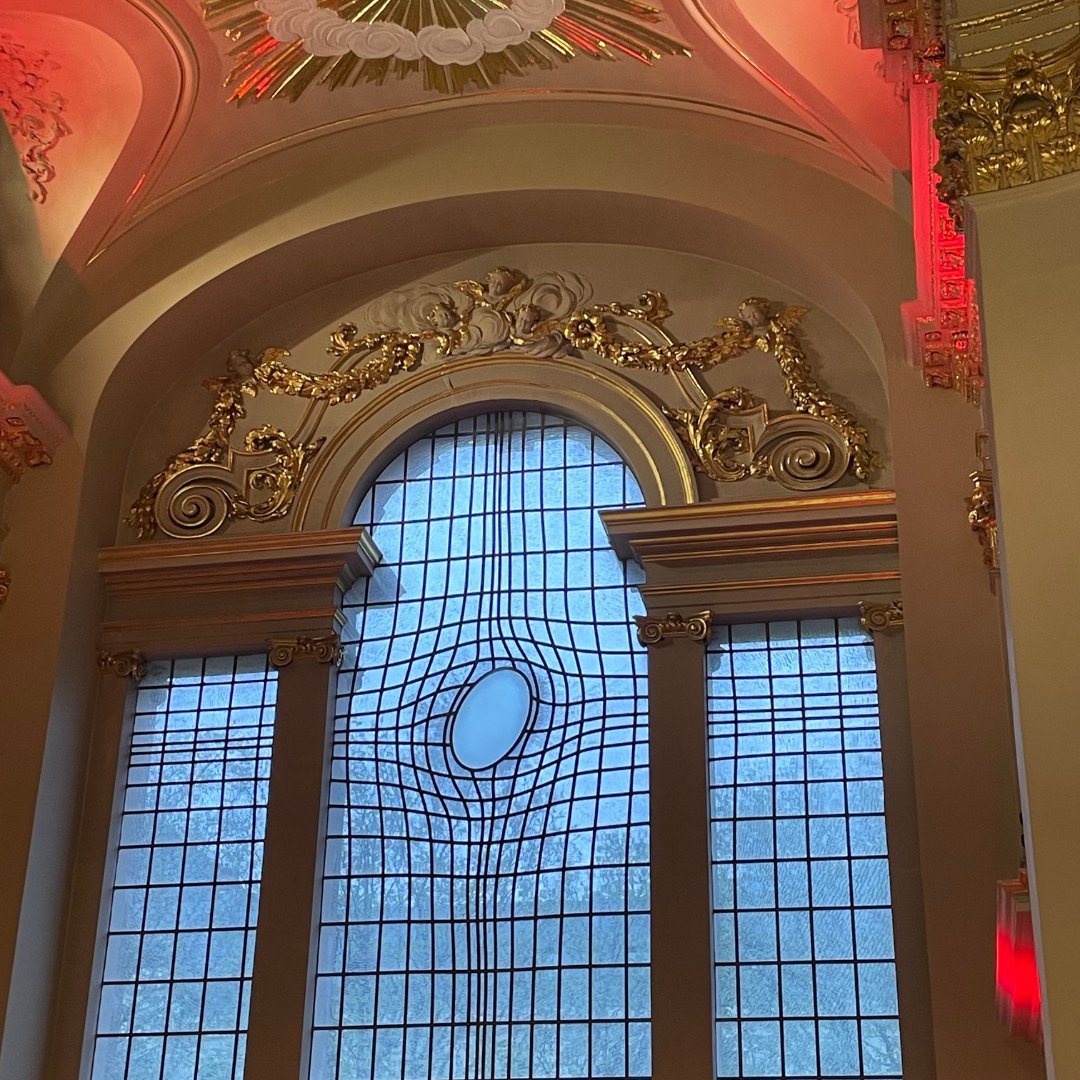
1008	126
323	650
125	665
652	630
874	618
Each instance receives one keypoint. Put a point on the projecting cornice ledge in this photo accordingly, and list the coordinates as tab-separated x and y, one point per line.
769	554
230	595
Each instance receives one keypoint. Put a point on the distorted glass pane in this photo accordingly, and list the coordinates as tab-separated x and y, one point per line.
486	895
803	936
185	893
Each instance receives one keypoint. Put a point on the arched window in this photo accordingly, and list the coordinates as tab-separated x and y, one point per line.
486	893
505	839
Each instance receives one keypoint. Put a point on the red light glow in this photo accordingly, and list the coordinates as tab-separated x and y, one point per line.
1019	998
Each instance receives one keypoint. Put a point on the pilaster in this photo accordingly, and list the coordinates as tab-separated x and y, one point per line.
1029	280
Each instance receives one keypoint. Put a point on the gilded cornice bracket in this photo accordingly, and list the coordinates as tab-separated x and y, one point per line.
981	511
124	665
652	630
1009	126
876	618
326	649
730	436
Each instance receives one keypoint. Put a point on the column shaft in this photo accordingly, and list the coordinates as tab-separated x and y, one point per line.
292	872
682	964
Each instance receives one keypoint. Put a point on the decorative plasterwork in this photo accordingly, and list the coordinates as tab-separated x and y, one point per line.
909	34
729	435
125	665
943	323
29	431
284	46
652	630
874	618
32	111
29	434
323	650
1009	126
981	512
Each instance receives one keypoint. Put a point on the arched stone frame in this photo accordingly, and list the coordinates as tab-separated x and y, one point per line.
600	399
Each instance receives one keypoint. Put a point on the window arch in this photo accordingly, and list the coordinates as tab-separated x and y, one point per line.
485	904
529	842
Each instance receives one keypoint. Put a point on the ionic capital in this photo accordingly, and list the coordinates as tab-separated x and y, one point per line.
652	629
323	650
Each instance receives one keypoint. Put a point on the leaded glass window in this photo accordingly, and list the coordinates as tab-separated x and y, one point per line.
803	937
185	893
485	910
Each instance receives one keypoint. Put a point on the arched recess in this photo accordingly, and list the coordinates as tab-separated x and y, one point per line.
602	401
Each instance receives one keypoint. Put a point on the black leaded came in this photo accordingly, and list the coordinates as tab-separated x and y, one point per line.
185	894
485	909
802	924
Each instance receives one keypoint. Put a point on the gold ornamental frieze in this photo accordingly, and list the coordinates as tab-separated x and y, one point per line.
729	435
1010	126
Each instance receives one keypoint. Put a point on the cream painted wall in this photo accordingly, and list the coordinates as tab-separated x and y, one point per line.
969	833
1026	257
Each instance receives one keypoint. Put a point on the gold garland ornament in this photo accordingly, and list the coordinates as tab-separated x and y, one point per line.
729	437
284	46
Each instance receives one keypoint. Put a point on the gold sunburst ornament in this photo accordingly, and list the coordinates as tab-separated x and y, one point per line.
281	47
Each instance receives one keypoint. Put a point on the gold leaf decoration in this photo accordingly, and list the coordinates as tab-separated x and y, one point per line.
729	437
265	66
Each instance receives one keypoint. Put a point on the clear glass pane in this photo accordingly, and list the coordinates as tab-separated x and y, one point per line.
485	904
185	892
803	937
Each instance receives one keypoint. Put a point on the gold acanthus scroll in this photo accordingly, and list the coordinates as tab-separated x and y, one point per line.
729	436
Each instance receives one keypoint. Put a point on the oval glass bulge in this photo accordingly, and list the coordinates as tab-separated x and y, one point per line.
490	718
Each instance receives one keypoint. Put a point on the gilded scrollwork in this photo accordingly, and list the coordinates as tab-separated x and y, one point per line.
652	630
32	111
730	437
981	510
323	650
876	618
124	665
